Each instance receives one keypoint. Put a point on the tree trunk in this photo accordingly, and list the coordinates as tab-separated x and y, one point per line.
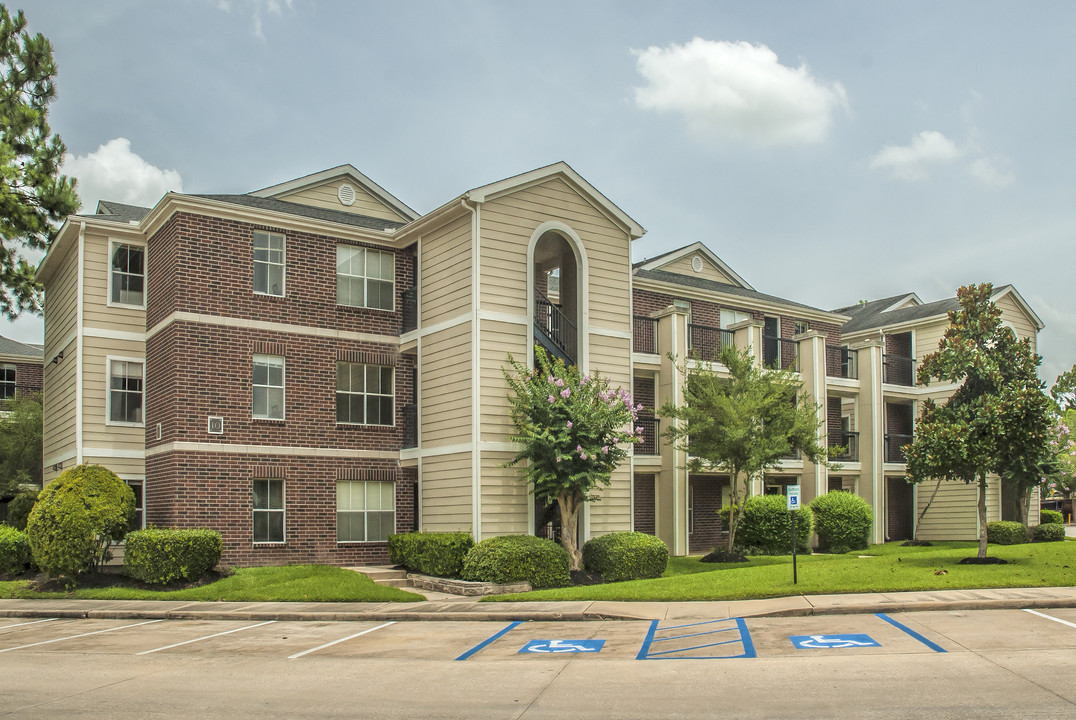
1025	504
569	503
734	516
982	515
919	520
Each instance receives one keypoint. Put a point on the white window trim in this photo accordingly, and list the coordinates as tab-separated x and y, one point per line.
365	394
366	525
366	289
15	382
112	243
283	511
283	387
109	359
283	264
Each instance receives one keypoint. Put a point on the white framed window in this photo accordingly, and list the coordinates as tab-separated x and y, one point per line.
268	381
126	275
7	381
731	317
268	518
365	277
126	391
365	394
138	522
801	327
269	264
365	511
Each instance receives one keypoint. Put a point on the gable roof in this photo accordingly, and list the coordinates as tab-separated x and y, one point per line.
14	347
657	262
877	314
340	171
283	206
118	212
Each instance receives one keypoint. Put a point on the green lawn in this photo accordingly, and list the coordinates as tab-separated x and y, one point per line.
298	583
885	568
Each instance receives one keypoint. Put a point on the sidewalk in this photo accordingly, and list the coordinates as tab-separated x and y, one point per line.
469	609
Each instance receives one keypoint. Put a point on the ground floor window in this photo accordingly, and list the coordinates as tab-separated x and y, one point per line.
365	511
268	511
138	521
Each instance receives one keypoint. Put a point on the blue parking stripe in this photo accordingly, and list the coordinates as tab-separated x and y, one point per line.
489	640
930	644
647	640
744	639
695	647
681	637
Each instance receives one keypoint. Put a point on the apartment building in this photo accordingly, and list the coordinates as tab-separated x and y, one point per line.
20	369
310	366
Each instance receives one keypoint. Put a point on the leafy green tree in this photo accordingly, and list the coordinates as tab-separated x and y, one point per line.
740	425
1063	479
572	430
1063	390
34	196
20	445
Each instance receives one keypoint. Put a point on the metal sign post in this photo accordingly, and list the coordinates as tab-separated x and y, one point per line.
793	505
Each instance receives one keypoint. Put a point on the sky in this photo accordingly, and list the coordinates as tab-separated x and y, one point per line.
829	152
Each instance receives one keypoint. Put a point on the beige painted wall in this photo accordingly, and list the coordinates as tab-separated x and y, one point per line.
61	308
498	340
1011	312
504	497
445	381
96	431
96	310
709	270
446	493
445	261
325	196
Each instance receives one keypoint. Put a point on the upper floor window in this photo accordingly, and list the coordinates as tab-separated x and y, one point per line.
268	387
801	327
731	317
7	381
269	263
125	391
365	277
127	275
364	394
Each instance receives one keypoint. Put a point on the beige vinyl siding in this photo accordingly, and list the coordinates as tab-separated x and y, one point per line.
613	512
610	356
126	468
325	196
952	515
498	340
95	307
58	430
1011	312
709	270
95	432
446	493
504	497
925	339
61	303
445	259
445	379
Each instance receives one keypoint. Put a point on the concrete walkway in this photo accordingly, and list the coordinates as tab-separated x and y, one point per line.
464	609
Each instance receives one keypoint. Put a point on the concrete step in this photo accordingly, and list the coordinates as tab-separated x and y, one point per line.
387	576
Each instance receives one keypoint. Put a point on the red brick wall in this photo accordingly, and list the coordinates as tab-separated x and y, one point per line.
706	501
644	503
28	376
833	414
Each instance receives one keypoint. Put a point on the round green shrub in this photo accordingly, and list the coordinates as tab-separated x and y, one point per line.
1004	532
75	519
14	550
439	554
1048	532
516	558
19	509
842	521
159	556
626	556
1046	517
765	526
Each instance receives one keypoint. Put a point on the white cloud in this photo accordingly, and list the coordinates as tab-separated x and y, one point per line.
256	7
913	161
985	171
737	92
113	172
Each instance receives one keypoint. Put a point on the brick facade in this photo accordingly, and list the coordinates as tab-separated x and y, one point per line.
707	531
644	503
28	377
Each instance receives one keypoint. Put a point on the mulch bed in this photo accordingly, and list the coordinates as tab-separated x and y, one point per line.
983	561
110	577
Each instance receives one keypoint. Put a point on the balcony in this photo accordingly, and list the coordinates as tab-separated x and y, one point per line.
780	353
410	309
894	447
842	362
847	440
644	334
649	443
708	342
410	427
898	370
553	328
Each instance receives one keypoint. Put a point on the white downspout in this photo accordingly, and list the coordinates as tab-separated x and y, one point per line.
79	319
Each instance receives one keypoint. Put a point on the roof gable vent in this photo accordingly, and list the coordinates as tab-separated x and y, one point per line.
346	194
696	263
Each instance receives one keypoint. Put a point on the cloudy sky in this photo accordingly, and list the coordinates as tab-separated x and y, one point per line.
828	151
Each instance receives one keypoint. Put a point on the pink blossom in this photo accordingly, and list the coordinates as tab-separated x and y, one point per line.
586	379
639	431
583	456
551	399
550	379
569	424
579	448
565	393
605	449
559	382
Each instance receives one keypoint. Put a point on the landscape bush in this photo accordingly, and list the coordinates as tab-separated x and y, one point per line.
75	519
842	521
516	558
439	554
1046	517
1005	532
18	509
620	556
1048	532
14	551
160	556
765	526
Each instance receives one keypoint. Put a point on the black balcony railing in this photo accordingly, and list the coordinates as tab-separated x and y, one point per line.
649	443
847	440
410	426
708	342
842	362
894	447
898	370
793	454
551	321
780	353
644	334
410	309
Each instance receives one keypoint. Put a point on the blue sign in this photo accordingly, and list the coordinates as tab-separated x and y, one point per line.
563	646
821	642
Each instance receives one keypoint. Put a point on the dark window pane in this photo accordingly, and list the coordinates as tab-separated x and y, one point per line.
261	495
357	415
261	278
261	527
342	414
276	494
276	527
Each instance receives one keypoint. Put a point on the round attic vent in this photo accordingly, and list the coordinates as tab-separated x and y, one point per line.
346	193
696	263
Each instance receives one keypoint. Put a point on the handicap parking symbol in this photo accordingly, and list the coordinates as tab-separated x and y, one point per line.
819	642
563	646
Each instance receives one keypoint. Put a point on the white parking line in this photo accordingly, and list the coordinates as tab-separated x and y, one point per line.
32	622
334	642
206	637
72	637
1050	617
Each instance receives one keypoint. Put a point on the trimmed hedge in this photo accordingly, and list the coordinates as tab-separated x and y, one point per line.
842	520
18	510
626	556
1046	517
14	551
160	556
765	526
515	558
1048	532
1005	532
439	554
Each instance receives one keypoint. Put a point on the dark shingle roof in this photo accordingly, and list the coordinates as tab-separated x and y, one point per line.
117	212
14	347
283	206
714	286
870	315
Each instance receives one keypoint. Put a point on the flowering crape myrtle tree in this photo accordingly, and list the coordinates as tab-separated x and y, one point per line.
573	431
1063	478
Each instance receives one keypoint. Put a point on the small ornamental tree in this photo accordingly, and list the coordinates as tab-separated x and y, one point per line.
573	431
1063	480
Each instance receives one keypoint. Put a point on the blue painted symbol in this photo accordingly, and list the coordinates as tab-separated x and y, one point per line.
563	646
820	642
